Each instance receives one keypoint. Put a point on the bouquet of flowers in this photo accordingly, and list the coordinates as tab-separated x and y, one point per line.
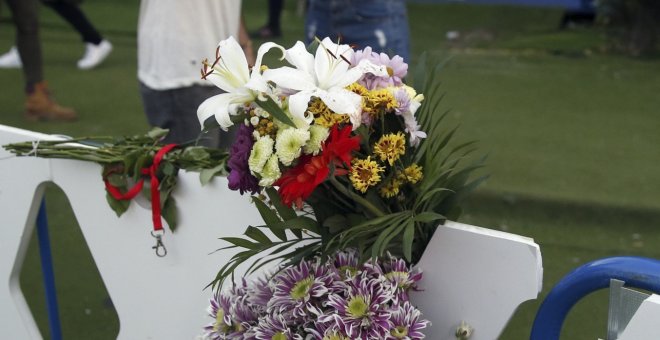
340	155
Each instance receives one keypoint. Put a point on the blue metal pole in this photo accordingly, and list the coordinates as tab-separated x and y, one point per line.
48	273
636	272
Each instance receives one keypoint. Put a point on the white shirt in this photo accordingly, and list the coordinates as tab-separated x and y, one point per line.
174	36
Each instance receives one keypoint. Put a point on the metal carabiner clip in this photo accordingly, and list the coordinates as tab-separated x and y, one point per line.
161	251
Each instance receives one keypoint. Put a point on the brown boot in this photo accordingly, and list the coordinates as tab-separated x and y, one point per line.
40	106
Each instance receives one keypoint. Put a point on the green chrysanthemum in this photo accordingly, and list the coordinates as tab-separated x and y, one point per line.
317	135
271	172
289	144
261	151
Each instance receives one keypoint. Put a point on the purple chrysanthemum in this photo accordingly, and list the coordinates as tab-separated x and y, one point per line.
407	323
223	326
347	263
362	310
396	69
299	288
402	279
240	177
274	327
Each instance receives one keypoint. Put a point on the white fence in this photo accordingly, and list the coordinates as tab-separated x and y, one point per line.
471	275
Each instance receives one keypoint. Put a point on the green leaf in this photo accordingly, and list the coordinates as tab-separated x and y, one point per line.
257	235
157	133
270	106
118	206
169	213
195	153
270	217
206	175
408	237
241	242
335	223
285	212
428	216
168	169
117	180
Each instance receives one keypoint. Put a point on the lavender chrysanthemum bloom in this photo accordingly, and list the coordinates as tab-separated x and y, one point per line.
396	69
223	327
299	288
362	311
407	323
403	99
274	327
259	293
240	177
401	278
347	263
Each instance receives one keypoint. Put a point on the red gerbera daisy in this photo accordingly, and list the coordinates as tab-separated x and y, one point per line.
298	183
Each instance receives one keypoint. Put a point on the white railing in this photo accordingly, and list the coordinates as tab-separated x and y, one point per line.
472	275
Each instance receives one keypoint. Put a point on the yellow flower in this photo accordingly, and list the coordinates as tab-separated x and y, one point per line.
378	102
323	115
391	188
412	174
390	147
365	173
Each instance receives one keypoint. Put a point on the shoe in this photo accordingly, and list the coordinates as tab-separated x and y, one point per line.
266	32
11	59
39	106
94	55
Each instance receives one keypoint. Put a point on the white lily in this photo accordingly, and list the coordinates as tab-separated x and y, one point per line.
232	74
325	76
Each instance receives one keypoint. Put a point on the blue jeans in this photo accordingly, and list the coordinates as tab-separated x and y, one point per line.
381	24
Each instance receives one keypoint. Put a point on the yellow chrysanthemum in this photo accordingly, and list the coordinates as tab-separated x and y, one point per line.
378	102
412	174
323	115
391	188
365	173
390	147
358	89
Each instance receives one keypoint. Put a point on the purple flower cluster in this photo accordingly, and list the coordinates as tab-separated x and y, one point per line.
396	69
337	299
240	177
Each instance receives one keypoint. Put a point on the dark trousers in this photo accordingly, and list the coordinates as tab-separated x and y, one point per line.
25	16
72	13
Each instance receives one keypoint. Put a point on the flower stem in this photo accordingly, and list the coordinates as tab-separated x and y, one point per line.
357	198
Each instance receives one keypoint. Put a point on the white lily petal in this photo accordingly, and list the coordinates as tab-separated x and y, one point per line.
300	58
232	58
263	49
341	101
331	61
298	104
217	106
257	83
290	78
227	84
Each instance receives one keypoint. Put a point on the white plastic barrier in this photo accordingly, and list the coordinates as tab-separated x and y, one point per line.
471	274
644	323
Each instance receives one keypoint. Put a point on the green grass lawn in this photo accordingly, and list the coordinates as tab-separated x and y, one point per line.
571	134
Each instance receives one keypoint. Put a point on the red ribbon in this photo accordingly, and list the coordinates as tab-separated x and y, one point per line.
155	183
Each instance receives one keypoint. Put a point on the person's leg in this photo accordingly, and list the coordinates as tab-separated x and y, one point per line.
318	19
176	110
381	24
274	13
77	19
25	16
39	105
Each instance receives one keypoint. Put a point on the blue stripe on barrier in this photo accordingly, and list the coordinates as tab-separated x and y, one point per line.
636	272
48	273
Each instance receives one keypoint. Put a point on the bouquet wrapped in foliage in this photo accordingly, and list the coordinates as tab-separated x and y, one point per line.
339	154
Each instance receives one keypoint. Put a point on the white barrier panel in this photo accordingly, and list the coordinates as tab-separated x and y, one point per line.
477	276
142	285
644	323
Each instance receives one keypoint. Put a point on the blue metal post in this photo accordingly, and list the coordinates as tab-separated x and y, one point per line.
636	272
48	274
